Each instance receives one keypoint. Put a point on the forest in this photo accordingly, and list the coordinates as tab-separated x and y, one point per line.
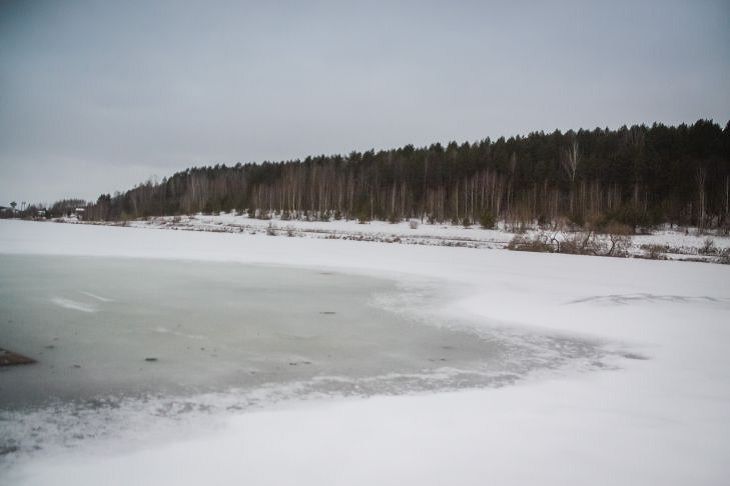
641	176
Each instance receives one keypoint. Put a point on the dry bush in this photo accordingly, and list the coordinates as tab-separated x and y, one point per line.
582	243
538	243
654	252
619	239
708	247
724	256
614	240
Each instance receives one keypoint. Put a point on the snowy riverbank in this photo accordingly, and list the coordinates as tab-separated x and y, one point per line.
661	420
673	244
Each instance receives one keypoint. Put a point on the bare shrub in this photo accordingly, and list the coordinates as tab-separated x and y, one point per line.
619	239
538	243
582	243
708	247
614	240
654	252
724	256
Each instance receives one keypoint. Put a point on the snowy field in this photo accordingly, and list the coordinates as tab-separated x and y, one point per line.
658	412
675	244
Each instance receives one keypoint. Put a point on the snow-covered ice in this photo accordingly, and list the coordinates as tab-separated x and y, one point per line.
661	415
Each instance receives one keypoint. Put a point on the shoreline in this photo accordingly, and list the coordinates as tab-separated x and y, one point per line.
662	244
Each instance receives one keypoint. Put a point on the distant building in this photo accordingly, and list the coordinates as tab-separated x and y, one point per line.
76	213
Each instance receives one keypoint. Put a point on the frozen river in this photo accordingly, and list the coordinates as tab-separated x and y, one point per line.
508	332
111	331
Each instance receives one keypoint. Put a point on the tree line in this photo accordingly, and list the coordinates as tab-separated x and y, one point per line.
639	176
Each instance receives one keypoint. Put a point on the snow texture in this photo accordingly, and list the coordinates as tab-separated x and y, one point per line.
662	418
676	244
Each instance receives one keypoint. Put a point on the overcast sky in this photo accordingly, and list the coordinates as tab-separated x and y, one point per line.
97	96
